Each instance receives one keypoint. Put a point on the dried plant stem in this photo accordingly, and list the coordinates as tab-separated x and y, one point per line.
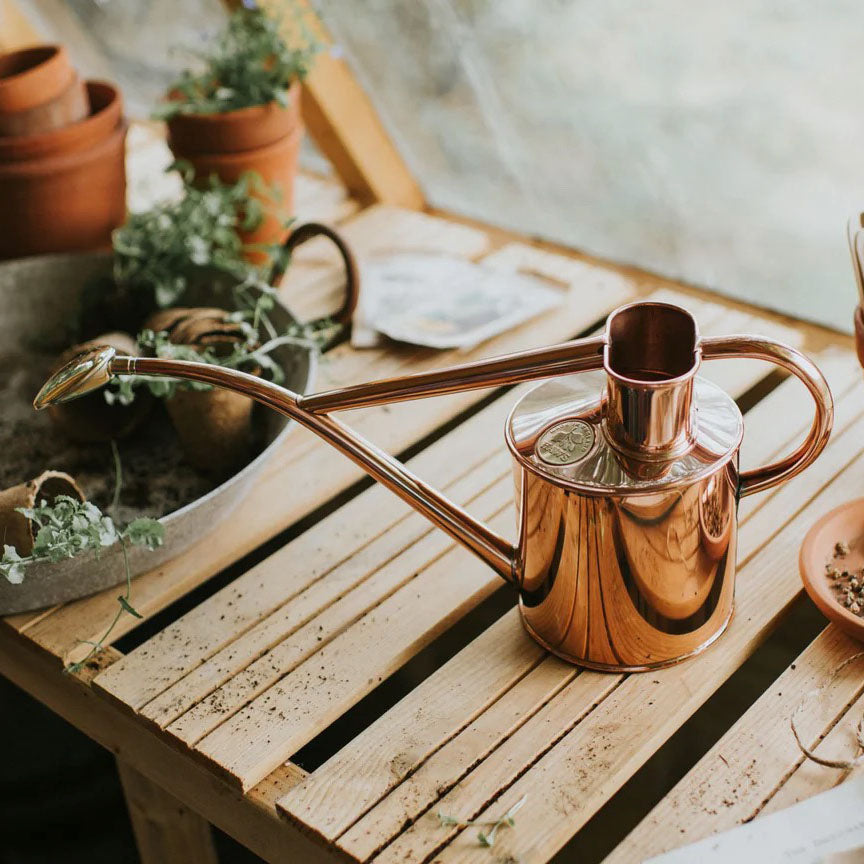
841	764
485	839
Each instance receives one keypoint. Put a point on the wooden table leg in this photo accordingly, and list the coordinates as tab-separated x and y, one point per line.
166	830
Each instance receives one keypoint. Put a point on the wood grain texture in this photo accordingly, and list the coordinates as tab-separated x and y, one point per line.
483	673
291	712
288	645
579	700
732	782
353	539
165	829
443	770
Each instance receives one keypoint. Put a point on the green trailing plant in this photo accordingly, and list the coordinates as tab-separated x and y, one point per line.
160	249
250	63
486	838
68	527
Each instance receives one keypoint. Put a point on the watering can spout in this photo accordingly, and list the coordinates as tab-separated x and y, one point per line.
96	367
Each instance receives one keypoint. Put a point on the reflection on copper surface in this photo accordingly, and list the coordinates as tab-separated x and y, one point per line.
631	581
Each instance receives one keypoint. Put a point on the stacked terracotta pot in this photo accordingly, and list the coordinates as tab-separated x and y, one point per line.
263	139
62	171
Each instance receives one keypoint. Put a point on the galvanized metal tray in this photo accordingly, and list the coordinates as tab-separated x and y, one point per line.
39	297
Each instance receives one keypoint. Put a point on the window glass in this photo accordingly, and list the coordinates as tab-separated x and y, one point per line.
713	143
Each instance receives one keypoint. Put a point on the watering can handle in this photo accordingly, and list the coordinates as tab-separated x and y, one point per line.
566	358
761	348
306	231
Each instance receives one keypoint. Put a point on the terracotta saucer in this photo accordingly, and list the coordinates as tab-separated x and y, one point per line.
845	523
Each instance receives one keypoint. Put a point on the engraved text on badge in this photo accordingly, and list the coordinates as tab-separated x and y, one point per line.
565	442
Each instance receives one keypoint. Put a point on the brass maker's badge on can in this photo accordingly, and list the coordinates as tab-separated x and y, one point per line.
565	442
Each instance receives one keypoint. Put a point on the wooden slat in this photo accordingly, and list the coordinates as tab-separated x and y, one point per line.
316	472
306	624
635	719
732	782
345	125
548	726
839	742
291	712
433	713
352	538
448	765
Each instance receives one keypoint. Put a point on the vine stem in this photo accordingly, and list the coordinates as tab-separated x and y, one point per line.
96	647
118	480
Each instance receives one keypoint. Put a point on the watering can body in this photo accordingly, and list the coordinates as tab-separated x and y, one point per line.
626	477
619	571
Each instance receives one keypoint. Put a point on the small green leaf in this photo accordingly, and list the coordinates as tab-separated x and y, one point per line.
128	608
145	532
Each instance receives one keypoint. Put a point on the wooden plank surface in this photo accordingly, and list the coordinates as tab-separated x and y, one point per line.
750	764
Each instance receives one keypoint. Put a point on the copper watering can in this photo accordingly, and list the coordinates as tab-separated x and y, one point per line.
627	484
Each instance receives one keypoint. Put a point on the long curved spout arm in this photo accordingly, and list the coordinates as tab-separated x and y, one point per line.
96	368
565	358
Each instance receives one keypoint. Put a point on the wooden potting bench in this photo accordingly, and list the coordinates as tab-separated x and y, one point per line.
358	603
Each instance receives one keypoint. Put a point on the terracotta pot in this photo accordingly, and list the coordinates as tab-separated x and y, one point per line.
15	528
91	420
106	105
210	143
64	203
39	91
214	426
233	131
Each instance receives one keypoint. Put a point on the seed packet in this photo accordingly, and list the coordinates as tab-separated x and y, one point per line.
442	302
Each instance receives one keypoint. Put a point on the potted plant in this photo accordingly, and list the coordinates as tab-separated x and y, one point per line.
48	520
171	265
240	111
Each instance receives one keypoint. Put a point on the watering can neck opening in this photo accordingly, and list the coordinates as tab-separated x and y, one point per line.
651	358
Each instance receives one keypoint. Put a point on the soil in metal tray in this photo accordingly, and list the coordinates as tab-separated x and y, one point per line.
156	478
